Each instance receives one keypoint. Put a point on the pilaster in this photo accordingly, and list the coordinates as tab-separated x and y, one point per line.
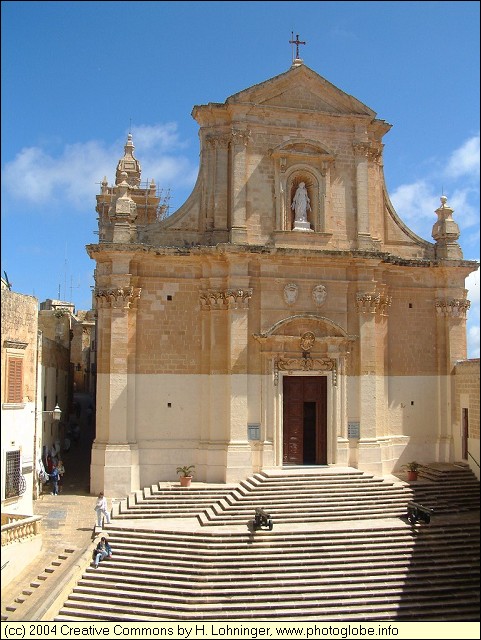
238	230
372	309
114	467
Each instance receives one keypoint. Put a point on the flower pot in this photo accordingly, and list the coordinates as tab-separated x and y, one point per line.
185	481
412	475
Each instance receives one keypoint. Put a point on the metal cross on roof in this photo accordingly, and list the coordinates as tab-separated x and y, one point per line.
297	42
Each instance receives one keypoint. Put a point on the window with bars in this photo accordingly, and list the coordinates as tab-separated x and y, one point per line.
15	483
14	380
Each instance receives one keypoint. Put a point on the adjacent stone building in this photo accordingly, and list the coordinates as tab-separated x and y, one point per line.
466	411
19	400
284	315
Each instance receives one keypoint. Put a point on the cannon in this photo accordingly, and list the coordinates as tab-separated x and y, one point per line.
262	520
417	512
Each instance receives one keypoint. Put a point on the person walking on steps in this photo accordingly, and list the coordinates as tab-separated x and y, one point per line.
102	550
101	509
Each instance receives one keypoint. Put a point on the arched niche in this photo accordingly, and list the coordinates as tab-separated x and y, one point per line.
302	161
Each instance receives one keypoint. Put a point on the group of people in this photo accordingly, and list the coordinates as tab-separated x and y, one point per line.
53	471
103	549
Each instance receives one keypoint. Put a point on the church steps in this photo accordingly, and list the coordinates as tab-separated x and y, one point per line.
273	540
437	566
320	496
169	581
217	539
335	555
302	609
365	600
326	590
218	587
326	559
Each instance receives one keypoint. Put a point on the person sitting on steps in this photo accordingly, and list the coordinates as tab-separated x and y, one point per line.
102	550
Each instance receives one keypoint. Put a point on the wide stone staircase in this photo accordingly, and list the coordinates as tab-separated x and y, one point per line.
305	495
341	550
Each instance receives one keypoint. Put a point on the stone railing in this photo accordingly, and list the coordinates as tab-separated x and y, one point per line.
16	527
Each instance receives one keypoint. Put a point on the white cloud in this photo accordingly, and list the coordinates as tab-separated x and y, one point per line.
160	138
73	177
465	160
417	201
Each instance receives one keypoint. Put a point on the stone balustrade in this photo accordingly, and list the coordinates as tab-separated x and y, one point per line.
17	527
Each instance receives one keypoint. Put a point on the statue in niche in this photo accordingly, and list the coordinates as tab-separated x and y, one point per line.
301	203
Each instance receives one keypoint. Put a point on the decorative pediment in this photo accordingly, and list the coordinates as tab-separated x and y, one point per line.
302	89
292	328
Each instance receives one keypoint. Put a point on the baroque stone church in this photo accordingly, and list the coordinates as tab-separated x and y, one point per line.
284	314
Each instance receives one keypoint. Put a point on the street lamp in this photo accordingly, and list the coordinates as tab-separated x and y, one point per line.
55	413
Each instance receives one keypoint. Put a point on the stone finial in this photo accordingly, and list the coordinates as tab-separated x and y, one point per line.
446	232
128	164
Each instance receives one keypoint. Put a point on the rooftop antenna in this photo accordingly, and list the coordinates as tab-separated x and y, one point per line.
65	274
72	286
9	284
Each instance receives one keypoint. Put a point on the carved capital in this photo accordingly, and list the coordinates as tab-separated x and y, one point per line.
362	149
453	307
238	297
225	299
220	140
372	303
118	298
240	136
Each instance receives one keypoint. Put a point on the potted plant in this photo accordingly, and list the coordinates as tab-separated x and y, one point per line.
412	469
186	475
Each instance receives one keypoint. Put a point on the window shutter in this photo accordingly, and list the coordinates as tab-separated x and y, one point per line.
15	380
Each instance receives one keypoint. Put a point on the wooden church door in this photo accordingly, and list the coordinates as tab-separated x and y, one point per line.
305	420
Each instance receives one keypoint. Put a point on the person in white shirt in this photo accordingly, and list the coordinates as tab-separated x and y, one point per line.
101	509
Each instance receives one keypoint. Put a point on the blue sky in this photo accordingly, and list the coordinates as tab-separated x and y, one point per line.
76	76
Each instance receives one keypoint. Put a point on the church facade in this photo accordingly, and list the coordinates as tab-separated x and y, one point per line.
284	314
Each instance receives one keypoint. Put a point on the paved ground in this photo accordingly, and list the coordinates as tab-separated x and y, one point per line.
67	532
